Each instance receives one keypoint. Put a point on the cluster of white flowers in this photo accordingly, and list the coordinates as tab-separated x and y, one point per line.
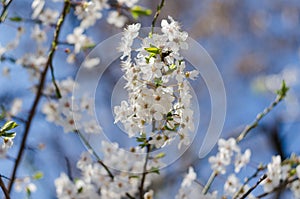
87	12
95	181
13	44
25	185
190	189
157	85
34	62
227	150
234	188
280	172
63	113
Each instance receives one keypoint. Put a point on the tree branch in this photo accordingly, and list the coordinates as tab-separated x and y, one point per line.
282	185
247	180
5	191
254	187
141	188
4	11
281	94
159	7
39	91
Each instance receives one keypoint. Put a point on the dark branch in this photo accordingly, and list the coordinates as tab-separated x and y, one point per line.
5	191
4	11
39	91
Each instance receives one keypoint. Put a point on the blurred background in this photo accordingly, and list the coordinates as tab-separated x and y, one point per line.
255	45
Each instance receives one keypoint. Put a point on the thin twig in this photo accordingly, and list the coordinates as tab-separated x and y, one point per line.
261	115
209	182
4	11
159	7
259	169
141	188
39	91
285	183
281	94
129	196
254	187
69	169
87	144
4	189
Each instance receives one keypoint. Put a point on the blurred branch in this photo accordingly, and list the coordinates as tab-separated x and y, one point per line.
141	188
69	169
4	11
4	189
39	91
281	94
159	7
282	185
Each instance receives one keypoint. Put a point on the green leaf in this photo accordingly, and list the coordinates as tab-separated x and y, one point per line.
80	190
3	113
16	19
10	135
160	155
283	90
28	192
8	126
88	46
172	67
154	170
158	82
153	49
137	11
150	56
134	176
38	175
140	139
143	145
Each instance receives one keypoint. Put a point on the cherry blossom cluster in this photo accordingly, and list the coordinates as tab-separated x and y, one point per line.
190	189
227	150
283	172
95	181
64	111
159	93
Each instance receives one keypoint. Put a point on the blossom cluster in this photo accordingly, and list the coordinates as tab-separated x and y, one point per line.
95	181
281	172
159	93
227	150
64	111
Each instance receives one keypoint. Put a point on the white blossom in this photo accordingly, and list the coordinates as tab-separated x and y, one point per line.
231	185
115	18
241	160
48	16
38	35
